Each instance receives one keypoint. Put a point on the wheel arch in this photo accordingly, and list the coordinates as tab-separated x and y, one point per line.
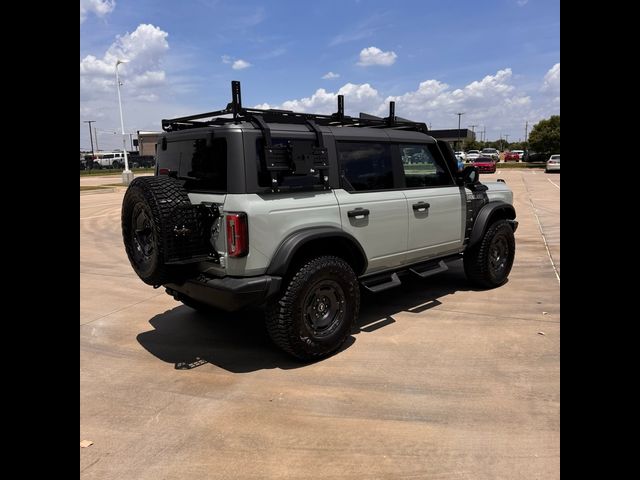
317	241
489	213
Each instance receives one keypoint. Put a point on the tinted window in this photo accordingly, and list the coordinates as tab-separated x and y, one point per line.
423	166
202	162
365	166
209	164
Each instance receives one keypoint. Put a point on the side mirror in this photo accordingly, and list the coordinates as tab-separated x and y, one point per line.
470	175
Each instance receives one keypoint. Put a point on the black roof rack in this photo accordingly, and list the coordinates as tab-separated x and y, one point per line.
239	113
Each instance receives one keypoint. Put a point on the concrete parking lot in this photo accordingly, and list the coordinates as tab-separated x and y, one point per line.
442	381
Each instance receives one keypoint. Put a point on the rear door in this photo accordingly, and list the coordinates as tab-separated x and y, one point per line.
434	201
372	209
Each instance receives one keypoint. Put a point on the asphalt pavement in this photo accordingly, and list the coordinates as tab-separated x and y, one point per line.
442	381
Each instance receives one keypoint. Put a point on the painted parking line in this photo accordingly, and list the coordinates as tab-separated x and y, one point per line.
557	186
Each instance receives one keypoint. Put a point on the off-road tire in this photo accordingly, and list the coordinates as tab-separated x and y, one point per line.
288	321
481	266
152	200
116	165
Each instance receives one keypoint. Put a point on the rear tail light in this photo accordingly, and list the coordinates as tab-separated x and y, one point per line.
237	234
163	171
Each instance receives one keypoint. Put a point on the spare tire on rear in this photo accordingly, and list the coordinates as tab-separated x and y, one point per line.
148	212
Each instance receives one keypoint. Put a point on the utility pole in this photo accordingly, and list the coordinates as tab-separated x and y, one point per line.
459	116
526	128
91	137
95	131
473	129
507	140
131	141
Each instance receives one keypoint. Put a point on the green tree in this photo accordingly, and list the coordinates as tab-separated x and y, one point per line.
545	136
471	145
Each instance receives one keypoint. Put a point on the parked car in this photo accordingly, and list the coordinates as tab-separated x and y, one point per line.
472	155
459	155
553	164
490	152
535	157
485	164
520	154
511	157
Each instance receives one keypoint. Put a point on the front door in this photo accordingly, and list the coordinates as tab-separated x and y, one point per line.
435	203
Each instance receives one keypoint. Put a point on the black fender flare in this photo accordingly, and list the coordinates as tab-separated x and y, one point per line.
293	243
485	217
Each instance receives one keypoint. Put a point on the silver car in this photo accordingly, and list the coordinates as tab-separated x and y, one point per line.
553	164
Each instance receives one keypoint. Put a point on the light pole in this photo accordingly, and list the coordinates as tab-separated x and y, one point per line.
93	154
459	115
127	175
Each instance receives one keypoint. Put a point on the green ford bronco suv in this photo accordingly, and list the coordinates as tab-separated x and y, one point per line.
296	212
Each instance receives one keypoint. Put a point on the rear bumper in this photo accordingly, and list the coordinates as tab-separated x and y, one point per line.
553	167
228	293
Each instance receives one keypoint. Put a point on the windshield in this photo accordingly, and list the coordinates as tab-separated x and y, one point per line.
489	150
474	151
555	157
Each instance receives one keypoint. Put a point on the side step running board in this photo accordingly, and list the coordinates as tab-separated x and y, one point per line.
424	271
378	284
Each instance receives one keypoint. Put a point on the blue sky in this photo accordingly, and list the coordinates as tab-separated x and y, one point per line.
497	61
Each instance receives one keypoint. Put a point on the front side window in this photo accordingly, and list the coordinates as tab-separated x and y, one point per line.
422	167
365	166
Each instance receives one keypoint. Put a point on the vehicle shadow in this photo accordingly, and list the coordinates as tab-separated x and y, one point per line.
238	342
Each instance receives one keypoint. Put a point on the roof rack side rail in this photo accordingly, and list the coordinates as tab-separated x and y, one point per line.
240	113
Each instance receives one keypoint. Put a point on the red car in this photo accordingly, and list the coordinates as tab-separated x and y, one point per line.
511	156
485	164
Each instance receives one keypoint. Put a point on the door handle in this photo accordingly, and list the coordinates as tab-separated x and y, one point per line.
421	206
358	212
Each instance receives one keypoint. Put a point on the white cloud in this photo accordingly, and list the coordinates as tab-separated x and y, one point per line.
98	7
374	56
330	75
144	83
240	64
361	98
552	79
493	102
226	59
144	48
522	3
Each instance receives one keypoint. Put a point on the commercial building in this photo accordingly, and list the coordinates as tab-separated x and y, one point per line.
147	143
451	135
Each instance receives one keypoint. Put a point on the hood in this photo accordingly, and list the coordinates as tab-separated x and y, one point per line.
499	191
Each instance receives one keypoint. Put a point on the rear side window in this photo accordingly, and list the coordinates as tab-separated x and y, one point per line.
201	161
423	166
365	166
